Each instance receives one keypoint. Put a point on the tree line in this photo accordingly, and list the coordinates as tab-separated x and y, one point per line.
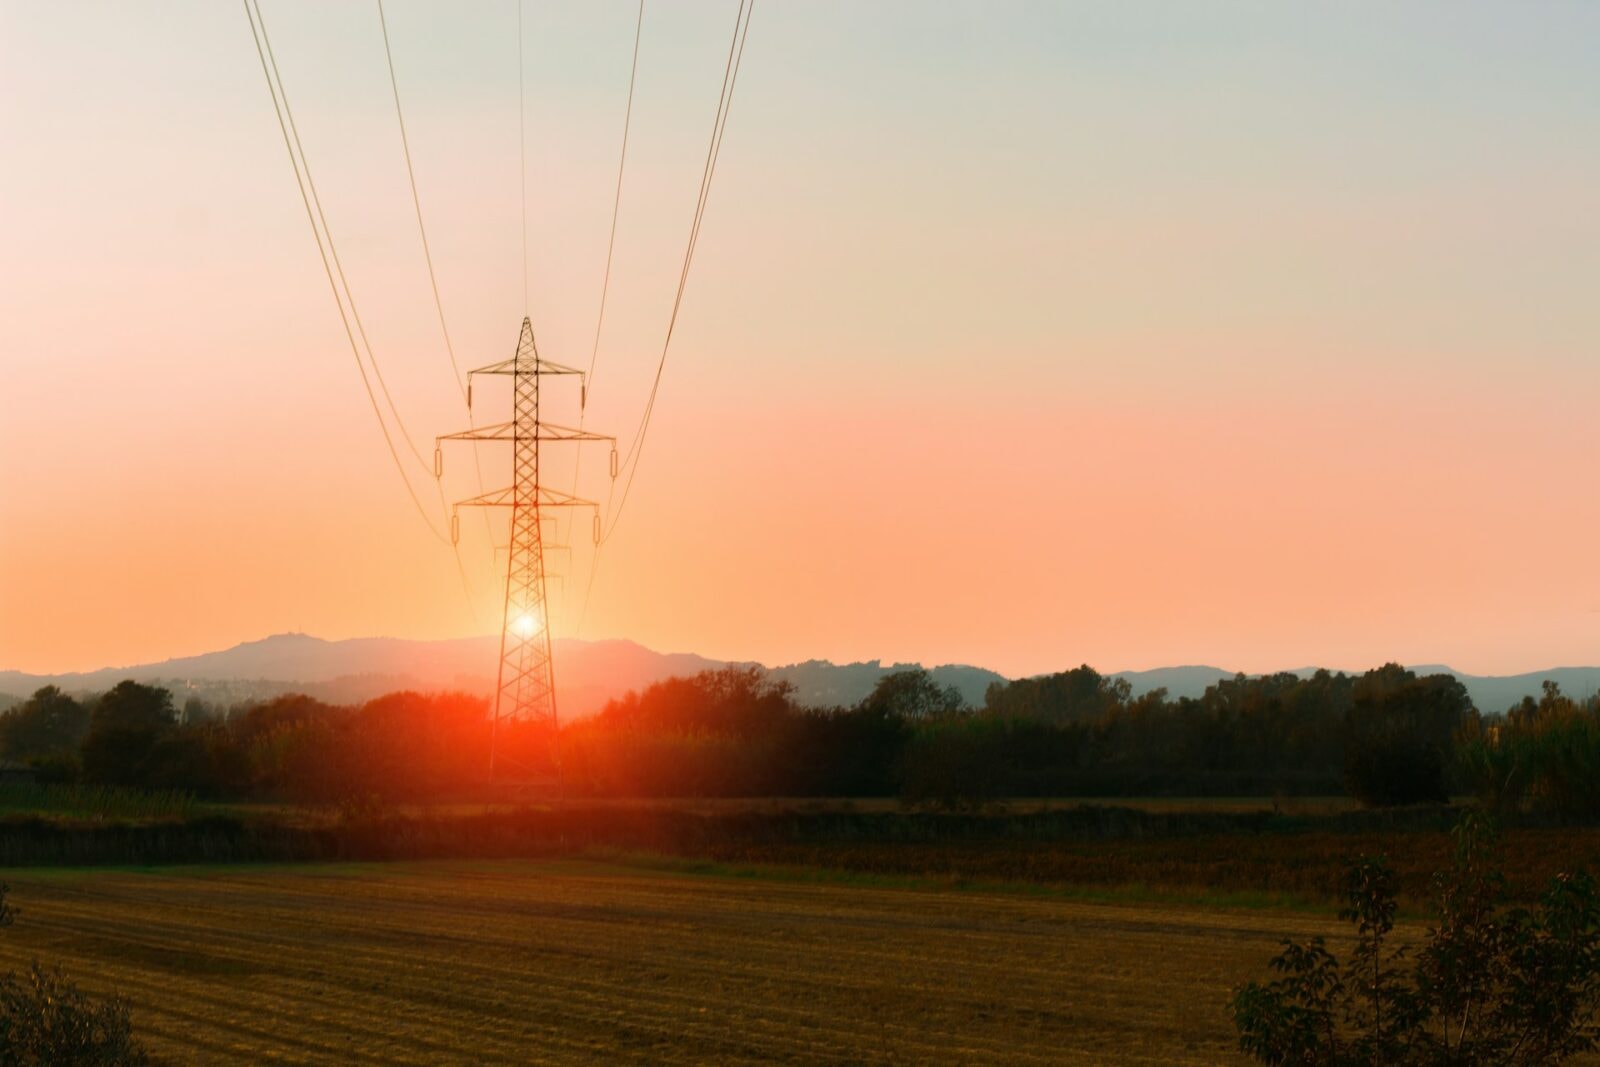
1388	736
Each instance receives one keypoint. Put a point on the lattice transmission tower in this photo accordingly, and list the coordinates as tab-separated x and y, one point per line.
525	693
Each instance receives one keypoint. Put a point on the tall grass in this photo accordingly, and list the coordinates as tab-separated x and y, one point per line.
94	801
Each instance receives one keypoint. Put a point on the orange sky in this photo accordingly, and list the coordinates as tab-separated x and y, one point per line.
1257	339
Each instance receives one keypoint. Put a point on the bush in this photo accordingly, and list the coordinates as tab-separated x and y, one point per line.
45	1020
1516	987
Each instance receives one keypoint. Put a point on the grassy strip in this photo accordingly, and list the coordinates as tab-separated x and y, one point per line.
1091	854
101	802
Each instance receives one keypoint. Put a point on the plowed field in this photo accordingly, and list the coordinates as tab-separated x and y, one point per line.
522	962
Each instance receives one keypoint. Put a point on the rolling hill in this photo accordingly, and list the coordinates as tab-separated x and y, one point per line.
591	672
588	673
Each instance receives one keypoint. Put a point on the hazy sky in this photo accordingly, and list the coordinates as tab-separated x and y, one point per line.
1254	334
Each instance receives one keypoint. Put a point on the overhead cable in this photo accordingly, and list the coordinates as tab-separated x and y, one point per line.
302	173
730	79
611	244
719	125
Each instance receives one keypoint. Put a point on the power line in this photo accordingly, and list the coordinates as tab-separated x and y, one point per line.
719	124
280	108
333	250
730	79
427	255
611	243
616	202
298	160
416	201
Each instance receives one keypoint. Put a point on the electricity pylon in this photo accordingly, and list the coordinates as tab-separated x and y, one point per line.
525	690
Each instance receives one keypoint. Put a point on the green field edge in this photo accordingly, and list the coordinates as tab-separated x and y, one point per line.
601	860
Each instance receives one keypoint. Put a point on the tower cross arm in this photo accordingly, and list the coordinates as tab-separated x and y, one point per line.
507	497
523	365
507	431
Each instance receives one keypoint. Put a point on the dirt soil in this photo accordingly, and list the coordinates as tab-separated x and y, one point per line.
578	961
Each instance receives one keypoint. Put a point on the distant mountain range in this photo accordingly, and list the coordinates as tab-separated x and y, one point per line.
589	673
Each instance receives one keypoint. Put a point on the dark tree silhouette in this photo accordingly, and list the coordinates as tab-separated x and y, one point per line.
1401	735
912	694
49	723
124	729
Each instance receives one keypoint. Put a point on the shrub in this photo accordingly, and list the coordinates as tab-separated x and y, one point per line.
1515	987
45	1020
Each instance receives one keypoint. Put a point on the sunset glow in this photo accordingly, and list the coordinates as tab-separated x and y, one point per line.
910	531
1254	336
